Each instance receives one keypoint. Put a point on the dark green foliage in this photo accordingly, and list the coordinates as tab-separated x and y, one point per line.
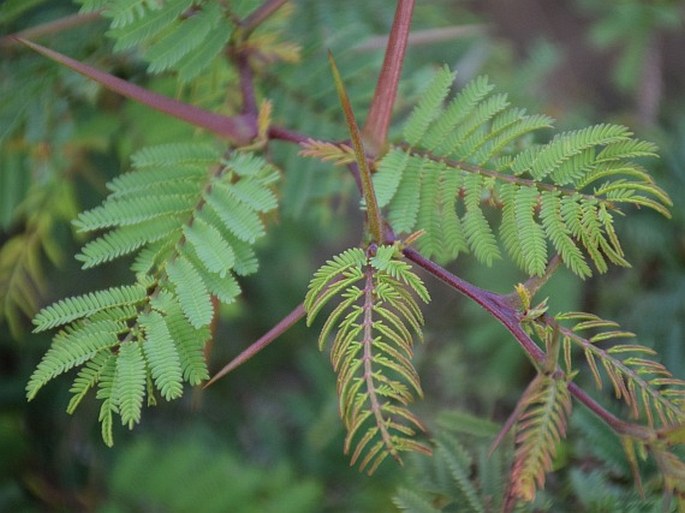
179	35
461	476
197	473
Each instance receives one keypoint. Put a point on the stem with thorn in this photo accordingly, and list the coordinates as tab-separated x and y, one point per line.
373	211
281	327
378	120
500	307
49	28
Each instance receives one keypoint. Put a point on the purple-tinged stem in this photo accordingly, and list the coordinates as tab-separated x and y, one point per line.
425	37
375	129
373	211
281	327
283	134
246	84
368	376
500	308
238	129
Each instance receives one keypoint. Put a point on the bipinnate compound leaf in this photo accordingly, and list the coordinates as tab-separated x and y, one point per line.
473	151
192	216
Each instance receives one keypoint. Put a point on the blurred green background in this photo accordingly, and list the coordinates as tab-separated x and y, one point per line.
267	438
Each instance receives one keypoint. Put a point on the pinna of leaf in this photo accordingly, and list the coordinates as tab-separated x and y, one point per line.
374	327
191	217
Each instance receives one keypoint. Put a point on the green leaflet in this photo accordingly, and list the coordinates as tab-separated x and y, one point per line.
374	326
411	502
191	291
162	356
210	246
559	194
71	348
192	217
129	379
178	35
67	310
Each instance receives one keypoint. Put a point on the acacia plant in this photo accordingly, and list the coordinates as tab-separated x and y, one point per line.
468	173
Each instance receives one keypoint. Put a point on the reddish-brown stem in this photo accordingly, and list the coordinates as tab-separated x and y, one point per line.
49	28
375	129
259	15
500	307
367	342
281	327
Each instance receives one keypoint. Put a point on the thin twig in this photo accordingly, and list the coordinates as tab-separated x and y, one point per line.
246	84
283	134
49	28
500	307
283	325
259	15
238	129
425	37
375	129
535	283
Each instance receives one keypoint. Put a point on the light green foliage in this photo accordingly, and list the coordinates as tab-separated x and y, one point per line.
372	348
135	339
475	151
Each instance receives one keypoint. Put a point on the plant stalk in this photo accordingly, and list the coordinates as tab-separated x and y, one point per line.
281	327
373	211
238	129
259	15
375	130
49	28
500	308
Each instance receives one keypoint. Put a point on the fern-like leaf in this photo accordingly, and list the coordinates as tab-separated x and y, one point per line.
129	379
647	387
161	355
178	35
193	216
411	502
372	348
71	348
192	292
67	310
561	193
545	408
